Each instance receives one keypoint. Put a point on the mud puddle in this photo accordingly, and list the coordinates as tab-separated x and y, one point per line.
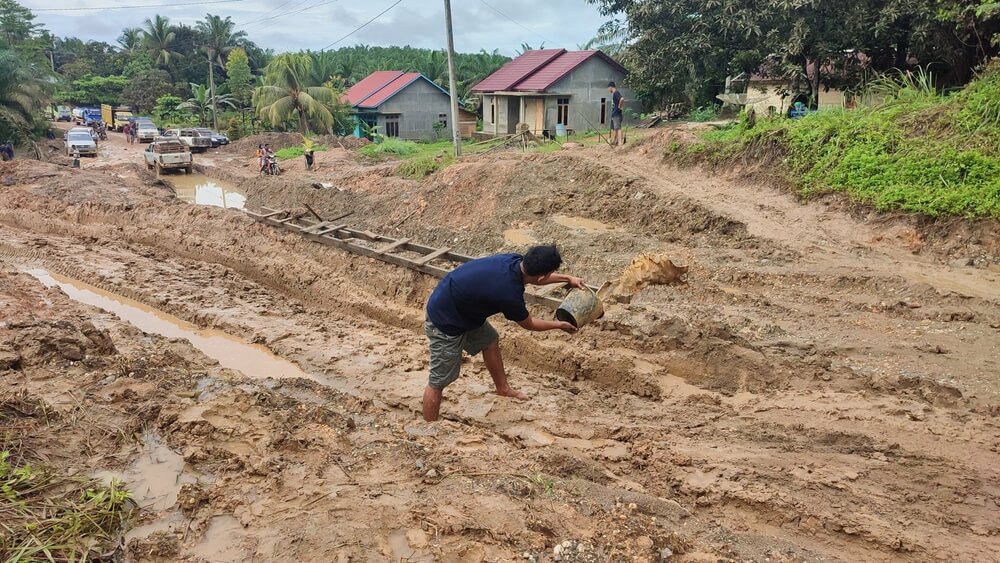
156	478
253	360
202	190
520	236
581	223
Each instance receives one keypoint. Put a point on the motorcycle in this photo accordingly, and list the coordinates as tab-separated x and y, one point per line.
270	167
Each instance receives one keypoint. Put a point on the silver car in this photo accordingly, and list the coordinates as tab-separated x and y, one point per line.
81	141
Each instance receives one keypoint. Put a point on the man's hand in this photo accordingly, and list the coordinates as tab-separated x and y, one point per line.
576	282
566	327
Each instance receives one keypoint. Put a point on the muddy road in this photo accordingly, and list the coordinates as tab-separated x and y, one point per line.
824	387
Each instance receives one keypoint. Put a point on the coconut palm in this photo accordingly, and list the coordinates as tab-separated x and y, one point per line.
219	38
130	40
158	38
287	93
23	93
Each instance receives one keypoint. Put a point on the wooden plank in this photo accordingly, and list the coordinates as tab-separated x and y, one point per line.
328	230
313	211
285	220
436	254
393	246
272	214
322	226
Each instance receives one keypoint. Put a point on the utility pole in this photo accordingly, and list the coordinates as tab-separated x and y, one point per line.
452	84
211	88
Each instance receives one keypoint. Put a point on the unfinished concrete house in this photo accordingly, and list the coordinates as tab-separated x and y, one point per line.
402	104
549	87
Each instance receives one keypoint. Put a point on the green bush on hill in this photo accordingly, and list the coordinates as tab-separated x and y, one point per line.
916	150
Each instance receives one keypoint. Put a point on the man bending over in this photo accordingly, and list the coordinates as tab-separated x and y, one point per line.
466	297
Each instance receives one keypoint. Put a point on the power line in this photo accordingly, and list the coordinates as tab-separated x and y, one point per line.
515	22
290	12
364	25
137	7
267	13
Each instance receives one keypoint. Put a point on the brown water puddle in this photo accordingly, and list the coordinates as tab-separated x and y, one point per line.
156	477
202	190
581	223
519	236
252	360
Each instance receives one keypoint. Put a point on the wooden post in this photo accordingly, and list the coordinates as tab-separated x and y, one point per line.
452	83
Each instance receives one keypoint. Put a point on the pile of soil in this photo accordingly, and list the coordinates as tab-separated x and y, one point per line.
348	142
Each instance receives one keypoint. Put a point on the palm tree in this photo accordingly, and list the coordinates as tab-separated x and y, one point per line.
23	93
219	38
130	40
435	67
158	38
286	93
203	102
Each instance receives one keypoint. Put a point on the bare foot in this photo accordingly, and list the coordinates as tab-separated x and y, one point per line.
513	394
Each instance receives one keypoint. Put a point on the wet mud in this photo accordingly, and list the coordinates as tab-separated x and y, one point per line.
810	394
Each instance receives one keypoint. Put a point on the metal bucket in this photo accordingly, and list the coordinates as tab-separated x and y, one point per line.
580	307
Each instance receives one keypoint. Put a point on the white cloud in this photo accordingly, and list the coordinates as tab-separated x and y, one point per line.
420	23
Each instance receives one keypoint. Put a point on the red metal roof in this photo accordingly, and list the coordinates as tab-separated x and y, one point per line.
537	71
517	70
379	86
371	84
389	90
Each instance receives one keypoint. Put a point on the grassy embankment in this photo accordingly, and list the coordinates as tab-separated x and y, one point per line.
49	516
421	159
915	151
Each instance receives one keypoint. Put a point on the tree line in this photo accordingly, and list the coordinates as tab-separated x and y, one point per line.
209	73
684	50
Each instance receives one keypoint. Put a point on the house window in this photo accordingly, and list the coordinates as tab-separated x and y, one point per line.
493	110
604	111
443	120
562	113
392	126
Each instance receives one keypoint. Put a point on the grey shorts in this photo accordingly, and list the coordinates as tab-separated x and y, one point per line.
616	122
446	351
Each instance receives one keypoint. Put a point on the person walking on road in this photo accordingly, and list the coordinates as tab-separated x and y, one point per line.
458	309
617	102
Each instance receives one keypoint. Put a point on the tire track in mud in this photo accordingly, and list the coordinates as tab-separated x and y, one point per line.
727	463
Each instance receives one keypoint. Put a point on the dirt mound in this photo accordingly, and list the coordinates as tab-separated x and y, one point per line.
349	142
650	269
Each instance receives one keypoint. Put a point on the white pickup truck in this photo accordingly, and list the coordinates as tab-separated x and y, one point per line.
191	138
168	154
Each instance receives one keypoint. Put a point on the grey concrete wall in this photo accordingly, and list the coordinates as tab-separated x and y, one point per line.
586	85
488	127
419	106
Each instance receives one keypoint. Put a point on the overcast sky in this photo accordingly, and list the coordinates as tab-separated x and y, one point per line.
419	23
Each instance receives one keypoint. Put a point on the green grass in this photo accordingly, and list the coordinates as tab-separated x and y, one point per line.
915	151
295	152
47	516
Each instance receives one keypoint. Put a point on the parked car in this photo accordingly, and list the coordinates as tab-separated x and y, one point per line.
168	154
63	113
191	138
218	139
77	139
88	130
146	132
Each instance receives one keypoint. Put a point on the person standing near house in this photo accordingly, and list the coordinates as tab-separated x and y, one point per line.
617	103
460	305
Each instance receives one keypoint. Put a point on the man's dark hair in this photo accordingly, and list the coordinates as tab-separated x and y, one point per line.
612	84
541	260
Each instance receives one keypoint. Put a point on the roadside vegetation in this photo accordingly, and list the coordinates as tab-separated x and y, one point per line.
916	150
49	516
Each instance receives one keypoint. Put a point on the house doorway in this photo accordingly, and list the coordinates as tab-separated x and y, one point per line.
534	114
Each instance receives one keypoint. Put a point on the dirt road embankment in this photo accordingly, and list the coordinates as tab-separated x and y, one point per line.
810	394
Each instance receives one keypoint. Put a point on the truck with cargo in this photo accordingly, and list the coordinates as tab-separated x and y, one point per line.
168	154
115	117
86	116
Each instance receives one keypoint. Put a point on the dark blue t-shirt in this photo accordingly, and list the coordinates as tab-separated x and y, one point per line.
616	99
476	290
